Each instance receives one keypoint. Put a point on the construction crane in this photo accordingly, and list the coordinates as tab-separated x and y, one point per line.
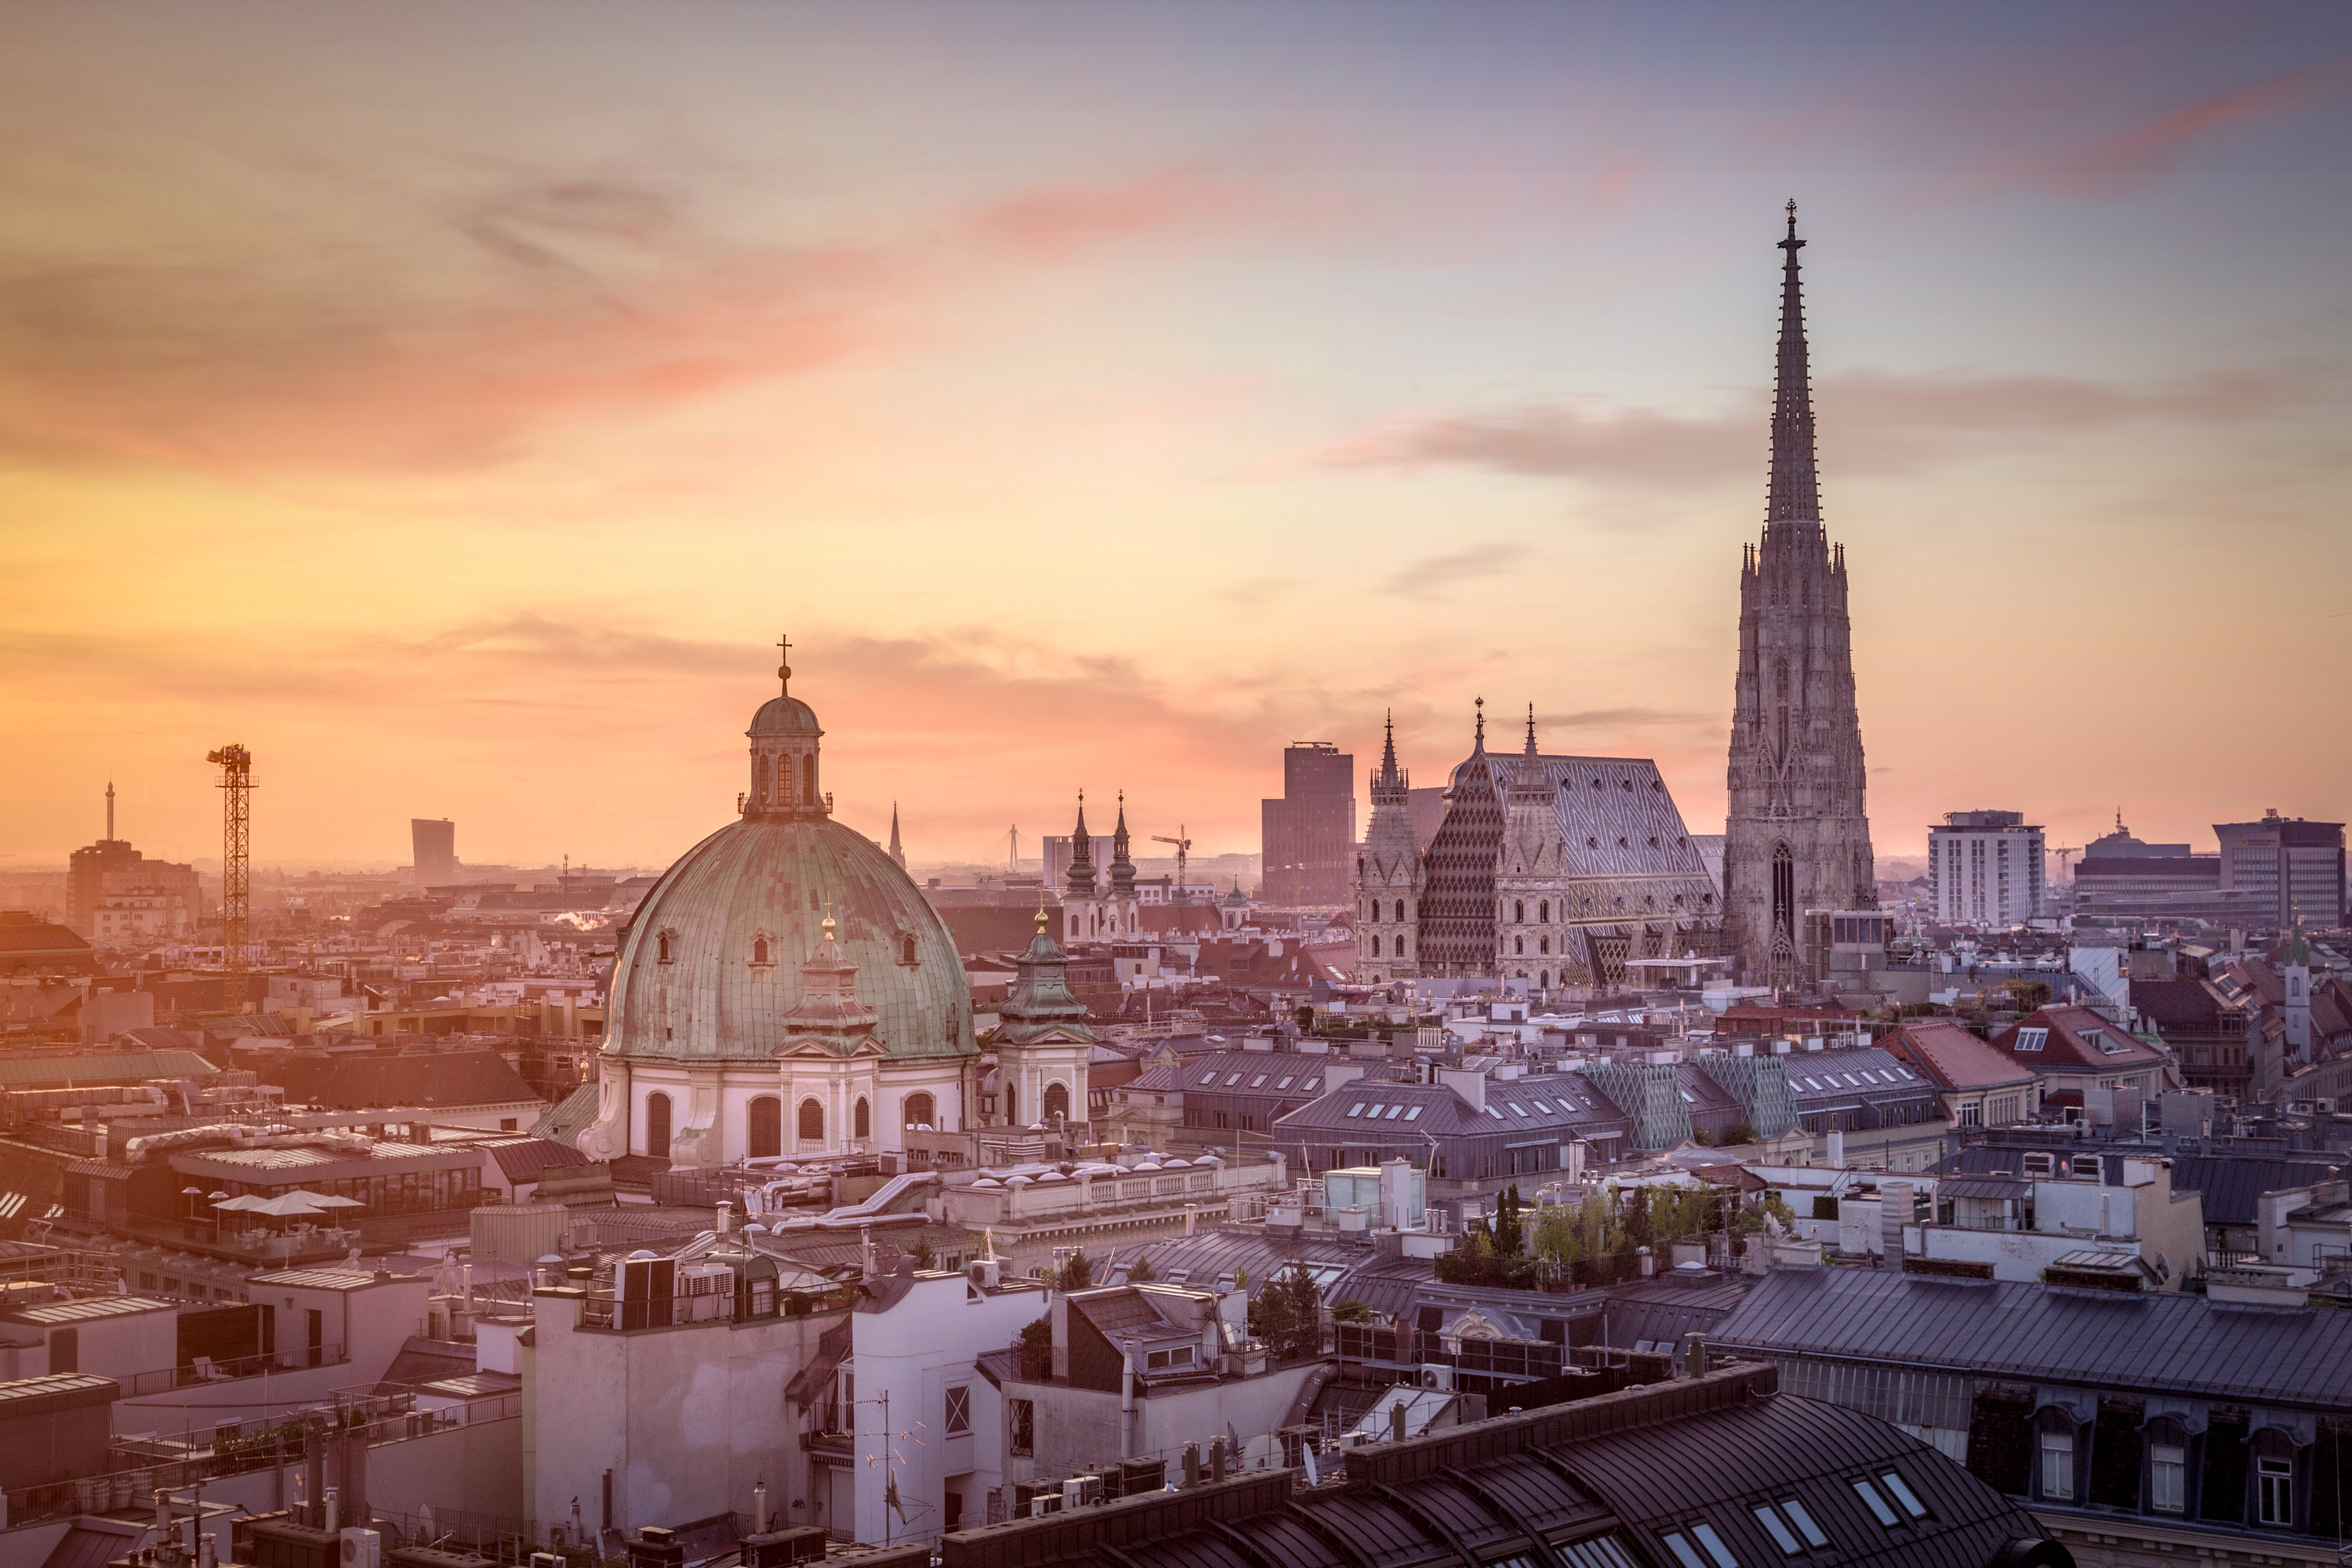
235	765
1183	848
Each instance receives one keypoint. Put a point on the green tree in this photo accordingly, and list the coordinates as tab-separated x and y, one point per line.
1740	1132
1351	1312
1510	1234
1141	1272
1036	1347
1288	1315
1077	1273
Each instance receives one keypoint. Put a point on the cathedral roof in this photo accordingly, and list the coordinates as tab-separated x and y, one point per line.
688	983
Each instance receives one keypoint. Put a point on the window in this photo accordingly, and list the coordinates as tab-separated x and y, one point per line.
661	948
1518	912
1804	1522
1777	1529
1541	1106
2032	1039
2057	1468
959	1420
1209	1080
1904	1497
1543	911
1394	1112
759	950
808	778
906	947
1517	1109
1232	1079
1284	1082
1357	1109
919	1110
1715	1549
764	1127
1174	1356
1258	1082
2168	1478
1310	1086
1878	1505
1679	1545
1412	1113
861	1120
812	1122
657	1125
1400	914
2274	1483
1022	1416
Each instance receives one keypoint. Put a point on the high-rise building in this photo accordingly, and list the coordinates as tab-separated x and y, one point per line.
117	897
1309	835
1389	875
435	842
1984	868
1797	837
2287	870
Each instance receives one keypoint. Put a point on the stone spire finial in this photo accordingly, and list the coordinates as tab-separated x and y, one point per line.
1122	870
783	666
1795	492
1478	736
898	850
1081	879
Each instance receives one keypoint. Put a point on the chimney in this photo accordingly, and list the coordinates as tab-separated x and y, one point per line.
1836	1156
760	1491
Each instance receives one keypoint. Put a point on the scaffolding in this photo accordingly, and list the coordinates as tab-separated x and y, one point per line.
235	765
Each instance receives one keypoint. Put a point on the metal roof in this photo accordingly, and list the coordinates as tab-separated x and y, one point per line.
2007	1189
106	1067
61	1391
2146	1343
329	1279
87	1311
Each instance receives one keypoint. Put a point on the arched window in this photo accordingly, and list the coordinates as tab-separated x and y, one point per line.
759	950
661	947
906	947
763	1131
1543	979
1400	909
1057	1103
1543	912
1518	944
759	781
812	1122
917	1111
1519	912
657	1125
861	1119
808	779
1784	891
1543	944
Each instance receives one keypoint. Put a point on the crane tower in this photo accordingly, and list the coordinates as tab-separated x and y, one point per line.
235	765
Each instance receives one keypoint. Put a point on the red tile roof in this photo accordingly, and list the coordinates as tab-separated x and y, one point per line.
2070	1047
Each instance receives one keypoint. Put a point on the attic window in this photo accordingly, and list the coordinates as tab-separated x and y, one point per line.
1232	1079
1310	1086
2032	1039
1259	1081
1412	1113
1357	1109
906	947
1392	1116
662	948
1283	1083
760	950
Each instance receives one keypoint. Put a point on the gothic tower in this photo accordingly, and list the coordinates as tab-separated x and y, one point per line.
1388	877
1122	905
1082	906
1798	836
1530	878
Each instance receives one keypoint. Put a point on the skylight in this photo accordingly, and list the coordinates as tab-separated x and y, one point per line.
1394	1109
1413	1114
1357	1109
1284	1082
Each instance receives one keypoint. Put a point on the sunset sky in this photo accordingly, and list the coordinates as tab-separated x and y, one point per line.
453	401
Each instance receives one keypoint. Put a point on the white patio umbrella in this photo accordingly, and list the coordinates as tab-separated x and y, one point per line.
241	1202
288	1203
327	1200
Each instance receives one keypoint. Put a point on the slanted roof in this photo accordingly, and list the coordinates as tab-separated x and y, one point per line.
101	1067
2068	1049
523	1159
1954	1058
351	1080
2154	1342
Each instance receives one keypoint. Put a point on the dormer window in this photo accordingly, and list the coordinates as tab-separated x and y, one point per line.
761	954
907	948
2032	1039
663	952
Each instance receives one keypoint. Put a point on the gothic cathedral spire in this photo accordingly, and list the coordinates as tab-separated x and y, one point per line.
1389	875
1797	837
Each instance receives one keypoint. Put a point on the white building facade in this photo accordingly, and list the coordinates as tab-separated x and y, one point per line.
1984	868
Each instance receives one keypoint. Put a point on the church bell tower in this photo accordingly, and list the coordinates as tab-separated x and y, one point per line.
1798	837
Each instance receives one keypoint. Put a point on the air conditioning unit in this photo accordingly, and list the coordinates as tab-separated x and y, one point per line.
1434	1375
1354	1439
1082	1491
1045	1503
361	1549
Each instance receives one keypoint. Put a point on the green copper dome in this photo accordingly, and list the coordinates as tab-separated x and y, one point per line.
694	982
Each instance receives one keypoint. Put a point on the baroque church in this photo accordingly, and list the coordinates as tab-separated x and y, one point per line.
1556	870
785	989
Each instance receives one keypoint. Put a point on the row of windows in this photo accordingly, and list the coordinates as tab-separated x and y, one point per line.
763	950
776	788
1792	1526
763	1122
1378	905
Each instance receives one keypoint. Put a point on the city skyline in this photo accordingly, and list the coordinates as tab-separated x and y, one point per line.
1114	438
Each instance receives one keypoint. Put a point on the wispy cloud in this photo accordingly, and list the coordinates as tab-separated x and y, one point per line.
1881	423
1433	574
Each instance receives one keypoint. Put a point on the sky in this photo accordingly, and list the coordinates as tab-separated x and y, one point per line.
454	402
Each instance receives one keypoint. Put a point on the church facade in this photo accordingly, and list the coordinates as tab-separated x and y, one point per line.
784	990
1798	836
1547	870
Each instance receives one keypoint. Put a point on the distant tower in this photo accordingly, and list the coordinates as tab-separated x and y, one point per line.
898	850
1082	906
235	765
110	811
2295	978
1530	870
1798	837
1123	909
1041	1040
1389	875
